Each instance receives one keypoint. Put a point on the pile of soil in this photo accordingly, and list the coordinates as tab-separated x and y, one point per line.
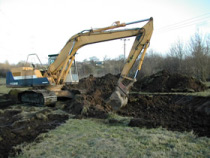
163	81
91	85
91	102
174	112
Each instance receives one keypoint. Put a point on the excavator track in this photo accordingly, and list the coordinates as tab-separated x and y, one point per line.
37	97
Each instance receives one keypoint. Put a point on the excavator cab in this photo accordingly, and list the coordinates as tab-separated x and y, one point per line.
72	77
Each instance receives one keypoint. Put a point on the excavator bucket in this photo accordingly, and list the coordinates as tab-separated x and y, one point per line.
119	97
117	100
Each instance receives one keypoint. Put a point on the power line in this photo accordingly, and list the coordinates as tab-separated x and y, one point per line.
181	26
186	24
194	19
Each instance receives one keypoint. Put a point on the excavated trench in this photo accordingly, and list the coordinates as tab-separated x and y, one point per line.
173	112
21	123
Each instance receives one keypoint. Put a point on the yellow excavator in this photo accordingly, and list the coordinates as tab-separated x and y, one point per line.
47	85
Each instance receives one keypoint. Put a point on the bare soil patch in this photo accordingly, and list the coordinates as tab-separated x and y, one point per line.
174	112
163	81
19	123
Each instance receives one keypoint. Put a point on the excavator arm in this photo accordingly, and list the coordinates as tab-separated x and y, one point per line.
119	97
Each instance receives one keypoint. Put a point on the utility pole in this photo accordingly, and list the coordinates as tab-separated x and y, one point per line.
125	39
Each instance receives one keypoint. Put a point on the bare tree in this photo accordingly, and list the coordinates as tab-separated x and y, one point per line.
152	63
200	56
176	57
119	63
207	52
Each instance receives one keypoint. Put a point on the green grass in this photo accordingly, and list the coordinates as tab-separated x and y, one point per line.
207	84
2	81
96	138
3	88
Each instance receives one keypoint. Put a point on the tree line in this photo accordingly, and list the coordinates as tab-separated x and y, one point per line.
191	59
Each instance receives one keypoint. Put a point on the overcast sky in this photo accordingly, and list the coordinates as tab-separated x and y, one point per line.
44	26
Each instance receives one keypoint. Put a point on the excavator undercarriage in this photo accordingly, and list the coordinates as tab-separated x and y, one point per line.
38	97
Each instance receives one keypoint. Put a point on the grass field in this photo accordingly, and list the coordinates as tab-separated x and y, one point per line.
3	88
207	84
97	138
2	81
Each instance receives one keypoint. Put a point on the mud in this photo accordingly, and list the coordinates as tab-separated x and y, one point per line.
163	81
174	112
97	87
21	123
91	102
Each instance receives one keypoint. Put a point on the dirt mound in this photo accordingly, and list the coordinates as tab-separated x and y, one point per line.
163	81
174	112
102	86
94	93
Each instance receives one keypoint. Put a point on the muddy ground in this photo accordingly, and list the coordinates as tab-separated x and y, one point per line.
22	123
163	81
174	112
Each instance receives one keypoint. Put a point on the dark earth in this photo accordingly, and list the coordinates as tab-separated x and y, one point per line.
163	81
23	123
